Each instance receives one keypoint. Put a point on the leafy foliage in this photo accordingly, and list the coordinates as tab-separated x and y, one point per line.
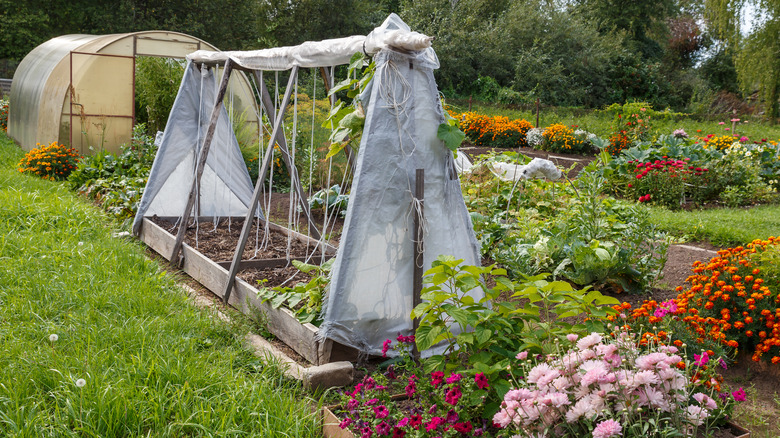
330	200
156	85
117	182
305	298
569	229
4	114
486	334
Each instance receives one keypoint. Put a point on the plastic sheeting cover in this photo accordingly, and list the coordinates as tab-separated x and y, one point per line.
225	189
370	296
392	33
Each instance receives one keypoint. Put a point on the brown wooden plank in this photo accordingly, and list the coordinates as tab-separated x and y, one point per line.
272	263
281	322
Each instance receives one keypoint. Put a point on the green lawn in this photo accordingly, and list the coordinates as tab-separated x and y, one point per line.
723	227
151	363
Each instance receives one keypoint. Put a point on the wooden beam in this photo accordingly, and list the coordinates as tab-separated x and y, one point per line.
201	164
250	214
273	263
419	254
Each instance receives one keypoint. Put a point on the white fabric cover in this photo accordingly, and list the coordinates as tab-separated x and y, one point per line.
370	295
537	168
225	189
393	33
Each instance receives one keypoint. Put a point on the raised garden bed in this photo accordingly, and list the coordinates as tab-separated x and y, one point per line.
213	275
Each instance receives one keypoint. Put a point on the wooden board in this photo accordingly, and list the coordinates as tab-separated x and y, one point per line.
281	322
330	425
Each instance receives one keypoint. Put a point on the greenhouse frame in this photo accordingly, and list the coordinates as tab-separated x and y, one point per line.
79	90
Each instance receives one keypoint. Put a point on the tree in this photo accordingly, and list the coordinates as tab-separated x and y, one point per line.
757	50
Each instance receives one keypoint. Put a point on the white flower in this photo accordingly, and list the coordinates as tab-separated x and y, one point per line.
534	137
53	337
697	414
80	383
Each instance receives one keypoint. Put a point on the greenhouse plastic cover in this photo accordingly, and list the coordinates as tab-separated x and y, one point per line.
225	188
370	295
393	33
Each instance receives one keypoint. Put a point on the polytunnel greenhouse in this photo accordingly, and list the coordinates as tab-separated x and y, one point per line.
79	90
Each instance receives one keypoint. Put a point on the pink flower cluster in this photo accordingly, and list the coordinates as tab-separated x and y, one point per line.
600	378
665	308
434	407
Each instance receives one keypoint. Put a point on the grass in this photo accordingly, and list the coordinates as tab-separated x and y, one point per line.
600	123
724	227
153	364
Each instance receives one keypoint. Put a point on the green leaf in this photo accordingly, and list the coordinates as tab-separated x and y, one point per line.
459	315
452	136
483	335
335	148
426	336
304	267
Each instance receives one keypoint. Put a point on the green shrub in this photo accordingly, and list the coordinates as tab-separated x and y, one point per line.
157	82
569	229
117	182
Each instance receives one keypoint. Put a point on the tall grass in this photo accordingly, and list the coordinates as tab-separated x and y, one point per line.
151	363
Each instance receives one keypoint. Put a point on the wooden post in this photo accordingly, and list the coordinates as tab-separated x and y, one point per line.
419	259
282	142
537	112
201	164
250	214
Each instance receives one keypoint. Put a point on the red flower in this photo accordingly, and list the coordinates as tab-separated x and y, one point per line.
481	380
463	428
453	395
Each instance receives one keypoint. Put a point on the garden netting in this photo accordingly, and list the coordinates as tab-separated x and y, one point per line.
225	188
370	295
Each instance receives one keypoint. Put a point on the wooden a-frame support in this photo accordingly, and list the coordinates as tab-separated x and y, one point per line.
200	166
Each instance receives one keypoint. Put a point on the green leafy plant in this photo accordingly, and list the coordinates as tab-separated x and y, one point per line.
331	199
4	114
305	298
567	228
117	182
484	335
346	119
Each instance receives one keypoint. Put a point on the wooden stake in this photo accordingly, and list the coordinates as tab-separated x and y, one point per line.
201	164
537	112
250	214
419	259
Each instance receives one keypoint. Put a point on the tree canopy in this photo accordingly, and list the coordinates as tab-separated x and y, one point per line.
587	53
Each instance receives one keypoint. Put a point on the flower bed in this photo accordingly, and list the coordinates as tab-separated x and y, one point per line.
495	131
732	302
